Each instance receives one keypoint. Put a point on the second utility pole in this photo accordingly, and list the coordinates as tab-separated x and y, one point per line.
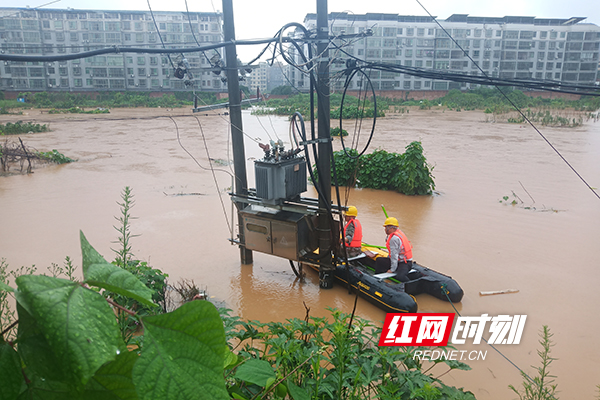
326	269
235	117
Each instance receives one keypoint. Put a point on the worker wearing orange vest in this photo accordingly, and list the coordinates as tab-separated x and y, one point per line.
399	251
352	232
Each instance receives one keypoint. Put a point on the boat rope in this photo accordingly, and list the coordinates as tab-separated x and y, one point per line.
445	292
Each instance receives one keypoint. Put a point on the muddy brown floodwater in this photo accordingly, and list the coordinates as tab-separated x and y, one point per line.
550	254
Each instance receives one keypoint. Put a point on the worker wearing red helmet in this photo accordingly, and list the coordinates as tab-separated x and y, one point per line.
399	250
352	232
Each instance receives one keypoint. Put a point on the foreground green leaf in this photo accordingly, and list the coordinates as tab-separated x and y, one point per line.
183	355
78	323
11	377
297	392
113	380
255	371
36	353
45	389
89	255
117	280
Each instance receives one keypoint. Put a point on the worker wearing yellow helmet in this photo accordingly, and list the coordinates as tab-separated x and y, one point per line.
399	250
352	232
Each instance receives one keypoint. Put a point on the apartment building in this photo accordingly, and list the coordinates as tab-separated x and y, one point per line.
266	77
258	78
565	50
57	32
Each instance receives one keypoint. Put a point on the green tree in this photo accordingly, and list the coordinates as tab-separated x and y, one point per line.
283	90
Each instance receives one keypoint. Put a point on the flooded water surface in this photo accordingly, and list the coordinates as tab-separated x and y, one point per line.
546	246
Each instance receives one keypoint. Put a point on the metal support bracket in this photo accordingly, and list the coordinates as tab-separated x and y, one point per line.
315	141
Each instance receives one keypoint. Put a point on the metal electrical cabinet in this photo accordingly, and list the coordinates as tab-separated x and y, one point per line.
281	233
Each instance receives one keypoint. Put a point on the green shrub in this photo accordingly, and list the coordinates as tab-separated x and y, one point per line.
21	127
336	132
407	173
54	156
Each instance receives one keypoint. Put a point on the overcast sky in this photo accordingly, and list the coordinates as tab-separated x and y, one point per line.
262	18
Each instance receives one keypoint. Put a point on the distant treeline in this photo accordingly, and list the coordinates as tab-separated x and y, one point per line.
494	101
490	100
63	100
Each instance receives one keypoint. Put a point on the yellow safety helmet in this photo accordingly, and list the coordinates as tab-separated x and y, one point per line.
391	221
352	212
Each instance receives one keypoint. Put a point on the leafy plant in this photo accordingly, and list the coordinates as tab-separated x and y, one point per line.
407	173
415	173
542	386
154	279
21	127
54	156
68	343
336	132
123	253
319	358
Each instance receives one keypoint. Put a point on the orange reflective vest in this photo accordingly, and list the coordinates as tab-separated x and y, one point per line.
357	238
406	246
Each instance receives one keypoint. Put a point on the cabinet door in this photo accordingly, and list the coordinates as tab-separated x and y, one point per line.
285	239
257	233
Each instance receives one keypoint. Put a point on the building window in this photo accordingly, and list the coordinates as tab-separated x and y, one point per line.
36	83
117	84
36	72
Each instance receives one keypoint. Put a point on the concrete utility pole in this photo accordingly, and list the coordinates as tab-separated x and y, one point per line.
235	116
326	270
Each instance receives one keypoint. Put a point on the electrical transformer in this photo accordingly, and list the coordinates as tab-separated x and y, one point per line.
280	180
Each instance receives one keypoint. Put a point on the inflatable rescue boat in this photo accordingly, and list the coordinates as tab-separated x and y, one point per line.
390	294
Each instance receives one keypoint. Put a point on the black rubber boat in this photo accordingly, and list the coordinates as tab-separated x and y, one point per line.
390	294
436	284
421	279
386	294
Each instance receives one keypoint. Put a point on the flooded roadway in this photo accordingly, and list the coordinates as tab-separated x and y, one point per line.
550	254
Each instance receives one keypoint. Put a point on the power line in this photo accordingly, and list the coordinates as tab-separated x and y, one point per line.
121	49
